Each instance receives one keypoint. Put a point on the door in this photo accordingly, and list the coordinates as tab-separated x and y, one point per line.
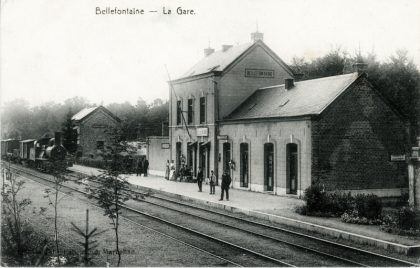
269	166
178	156
292	168
203	161
244	176
226	157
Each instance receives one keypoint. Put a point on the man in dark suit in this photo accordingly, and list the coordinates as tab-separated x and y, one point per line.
146	167
200	179
226	180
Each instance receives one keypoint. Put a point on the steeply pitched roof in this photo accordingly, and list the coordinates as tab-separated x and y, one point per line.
83	113
87	111
217	61
220	60
308	97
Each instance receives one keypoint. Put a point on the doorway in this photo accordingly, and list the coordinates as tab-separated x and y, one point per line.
204	160
269	166
244	155
178	156
292	168
226	158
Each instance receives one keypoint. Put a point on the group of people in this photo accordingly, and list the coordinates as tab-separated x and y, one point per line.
142	167
226	180
170	174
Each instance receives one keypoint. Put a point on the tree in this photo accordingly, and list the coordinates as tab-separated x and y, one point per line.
12	207
398	79
69	134
58	169
112	191
87	244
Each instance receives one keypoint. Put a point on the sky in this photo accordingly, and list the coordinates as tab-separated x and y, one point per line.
52	50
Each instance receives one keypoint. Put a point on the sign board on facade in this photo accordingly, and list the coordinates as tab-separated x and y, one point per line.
397	157
99	126
165	145
202	132
222	137
259	73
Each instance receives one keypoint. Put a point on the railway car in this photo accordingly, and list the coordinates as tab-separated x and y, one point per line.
25	149
8	149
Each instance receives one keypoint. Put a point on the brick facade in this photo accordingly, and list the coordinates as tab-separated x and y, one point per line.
96	127
353	139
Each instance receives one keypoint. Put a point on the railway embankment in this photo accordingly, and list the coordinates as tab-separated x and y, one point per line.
275	209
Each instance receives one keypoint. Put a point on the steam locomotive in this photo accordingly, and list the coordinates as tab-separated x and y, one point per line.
41	153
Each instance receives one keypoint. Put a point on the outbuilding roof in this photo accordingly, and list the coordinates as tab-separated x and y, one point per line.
83	113
87	111
308	97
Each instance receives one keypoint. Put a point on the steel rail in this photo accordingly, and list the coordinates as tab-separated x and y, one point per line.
331	243
134	222
179	226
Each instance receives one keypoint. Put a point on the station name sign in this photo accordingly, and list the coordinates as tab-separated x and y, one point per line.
259	73
397	157
202	132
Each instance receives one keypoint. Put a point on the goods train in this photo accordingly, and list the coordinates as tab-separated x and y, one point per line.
40	153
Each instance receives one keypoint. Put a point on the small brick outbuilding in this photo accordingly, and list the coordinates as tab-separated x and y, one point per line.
94	129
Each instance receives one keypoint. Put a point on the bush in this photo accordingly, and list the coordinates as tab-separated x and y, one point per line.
364	209
340	203
406	218
92	162
316	198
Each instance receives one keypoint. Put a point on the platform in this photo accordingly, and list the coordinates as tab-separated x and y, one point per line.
274	208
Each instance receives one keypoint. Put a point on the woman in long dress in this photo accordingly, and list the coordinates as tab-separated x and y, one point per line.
172	171
167	170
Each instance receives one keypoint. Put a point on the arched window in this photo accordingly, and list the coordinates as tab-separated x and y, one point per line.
269	167
244	172
292	168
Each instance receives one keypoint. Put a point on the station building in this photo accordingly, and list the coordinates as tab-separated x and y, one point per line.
93	126
276	135
209	91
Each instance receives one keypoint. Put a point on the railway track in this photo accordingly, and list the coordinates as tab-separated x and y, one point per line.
277	244
232	254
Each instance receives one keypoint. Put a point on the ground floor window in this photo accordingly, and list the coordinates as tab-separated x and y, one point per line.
292	168
269	166
100	145
244	171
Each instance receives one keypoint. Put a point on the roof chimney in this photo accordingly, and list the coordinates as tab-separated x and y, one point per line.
225	47
289	83
360	67
208	51
255	36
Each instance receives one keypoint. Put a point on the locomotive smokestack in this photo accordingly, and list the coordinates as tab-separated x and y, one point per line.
57	138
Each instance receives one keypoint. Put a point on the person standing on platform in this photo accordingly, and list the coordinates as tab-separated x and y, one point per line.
226	180
167	170
139	167
212	183
172	171
200	179
145	167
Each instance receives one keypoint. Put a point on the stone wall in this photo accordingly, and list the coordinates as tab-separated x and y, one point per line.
96	127
158	154
277	132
